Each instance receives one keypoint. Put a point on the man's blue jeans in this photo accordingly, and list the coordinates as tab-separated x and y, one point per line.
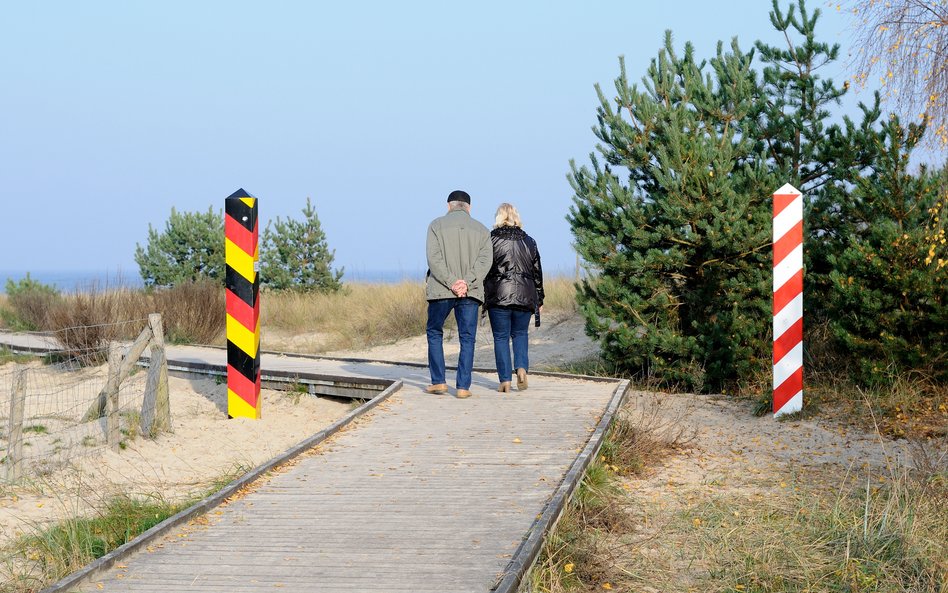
510	325
465	313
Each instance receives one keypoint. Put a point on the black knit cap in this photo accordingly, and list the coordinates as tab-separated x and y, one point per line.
459	196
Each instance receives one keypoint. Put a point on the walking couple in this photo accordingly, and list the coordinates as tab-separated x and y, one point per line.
469	266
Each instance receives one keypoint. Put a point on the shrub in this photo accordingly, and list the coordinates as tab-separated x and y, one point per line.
191	311
886	295
84	324
29	303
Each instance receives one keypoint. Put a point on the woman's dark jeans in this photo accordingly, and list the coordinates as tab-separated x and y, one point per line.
510	325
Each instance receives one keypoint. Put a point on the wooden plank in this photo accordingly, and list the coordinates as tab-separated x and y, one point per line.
143	541
375	518
434	493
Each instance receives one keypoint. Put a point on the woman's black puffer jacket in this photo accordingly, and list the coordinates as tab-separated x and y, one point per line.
516	278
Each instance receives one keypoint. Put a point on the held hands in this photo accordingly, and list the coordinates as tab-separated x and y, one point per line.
459	288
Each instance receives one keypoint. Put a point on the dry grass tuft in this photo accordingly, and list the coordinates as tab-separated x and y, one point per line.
589	547
358	316
881	529
48	551
877	534
83	323
192	312
51	552
560	294
640	440
361	315
909	406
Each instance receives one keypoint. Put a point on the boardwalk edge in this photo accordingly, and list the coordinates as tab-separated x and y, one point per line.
523	559
105	562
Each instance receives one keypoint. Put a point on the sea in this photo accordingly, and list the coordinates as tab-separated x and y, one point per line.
73	280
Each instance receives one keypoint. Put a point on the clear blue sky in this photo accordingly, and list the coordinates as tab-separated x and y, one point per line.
113	112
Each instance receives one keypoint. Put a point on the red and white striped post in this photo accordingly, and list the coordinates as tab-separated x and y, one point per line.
788	300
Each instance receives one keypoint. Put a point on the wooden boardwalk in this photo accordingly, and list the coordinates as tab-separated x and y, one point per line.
425	494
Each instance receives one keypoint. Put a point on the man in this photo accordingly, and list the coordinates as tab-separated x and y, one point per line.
459	256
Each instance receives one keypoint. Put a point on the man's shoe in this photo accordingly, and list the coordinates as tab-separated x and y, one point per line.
437	389
522	379
504	387
463	393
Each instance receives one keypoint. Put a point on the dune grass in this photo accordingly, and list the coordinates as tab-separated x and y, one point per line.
358	316
880	530
7	355
49	552
886	535
364	315
586	549
560	295
86	320
361	315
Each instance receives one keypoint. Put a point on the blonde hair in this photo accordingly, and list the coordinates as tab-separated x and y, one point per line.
507	215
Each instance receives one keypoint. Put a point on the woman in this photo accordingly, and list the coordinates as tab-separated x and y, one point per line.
513	293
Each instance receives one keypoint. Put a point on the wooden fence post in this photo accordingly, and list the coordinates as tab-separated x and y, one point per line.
156	408
111	392
122	370
15	432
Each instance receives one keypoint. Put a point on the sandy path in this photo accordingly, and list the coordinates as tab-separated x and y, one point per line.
733	447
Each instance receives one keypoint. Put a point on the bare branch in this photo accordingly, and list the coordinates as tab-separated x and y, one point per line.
905	43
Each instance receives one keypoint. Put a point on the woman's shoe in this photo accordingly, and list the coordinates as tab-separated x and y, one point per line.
522	379
504	387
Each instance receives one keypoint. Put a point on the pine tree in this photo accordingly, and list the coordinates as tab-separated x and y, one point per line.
887	291
675	225
295	255
803	146
190	248
791	122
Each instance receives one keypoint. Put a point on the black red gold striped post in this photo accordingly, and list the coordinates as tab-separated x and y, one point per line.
243	305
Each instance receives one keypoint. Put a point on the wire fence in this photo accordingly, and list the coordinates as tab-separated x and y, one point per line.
74	400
